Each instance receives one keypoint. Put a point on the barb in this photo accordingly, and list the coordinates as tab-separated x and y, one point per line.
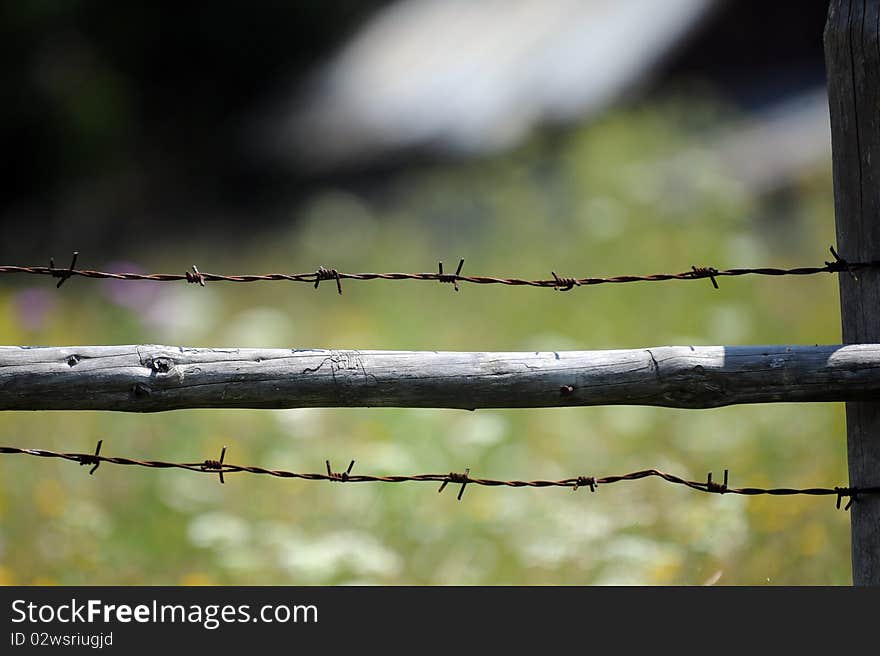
564	284
195	276
216	465
339	476
63	275
328	274
706	272
450	277
584	480
464	479
838	265
94	460
452	477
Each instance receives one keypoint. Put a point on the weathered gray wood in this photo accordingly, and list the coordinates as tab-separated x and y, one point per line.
156	378
852	54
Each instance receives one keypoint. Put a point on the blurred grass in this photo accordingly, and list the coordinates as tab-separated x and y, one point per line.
613	198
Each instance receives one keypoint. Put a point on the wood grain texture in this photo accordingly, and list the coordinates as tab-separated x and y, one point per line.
852	55
150	378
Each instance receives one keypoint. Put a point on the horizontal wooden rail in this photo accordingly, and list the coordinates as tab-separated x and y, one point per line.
155	378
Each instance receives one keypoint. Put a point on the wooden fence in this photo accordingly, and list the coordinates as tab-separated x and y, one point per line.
152	378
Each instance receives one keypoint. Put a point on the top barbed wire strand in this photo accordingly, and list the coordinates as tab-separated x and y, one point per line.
556	282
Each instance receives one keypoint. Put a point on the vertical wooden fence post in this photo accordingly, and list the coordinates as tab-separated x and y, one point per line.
852	57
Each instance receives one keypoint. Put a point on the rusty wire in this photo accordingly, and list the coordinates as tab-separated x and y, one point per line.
557	282
464	479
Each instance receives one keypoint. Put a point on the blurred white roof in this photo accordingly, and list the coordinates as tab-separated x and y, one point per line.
470	76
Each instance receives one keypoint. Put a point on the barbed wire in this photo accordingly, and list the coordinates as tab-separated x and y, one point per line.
559	283
220	467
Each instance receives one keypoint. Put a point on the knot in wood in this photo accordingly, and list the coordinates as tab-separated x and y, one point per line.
141	391
161	365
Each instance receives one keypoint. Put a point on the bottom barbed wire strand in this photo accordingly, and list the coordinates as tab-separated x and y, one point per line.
464	479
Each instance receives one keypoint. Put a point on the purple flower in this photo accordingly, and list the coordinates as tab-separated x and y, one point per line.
33	305
134	295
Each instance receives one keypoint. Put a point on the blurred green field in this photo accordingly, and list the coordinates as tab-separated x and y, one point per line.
616	197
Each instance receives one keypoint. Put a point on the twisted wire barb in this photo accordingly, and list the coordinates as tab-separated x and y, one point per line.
558	283
464	479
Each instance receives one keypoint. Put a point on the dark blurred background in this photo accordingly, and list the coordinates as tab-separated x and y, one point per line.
120	120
